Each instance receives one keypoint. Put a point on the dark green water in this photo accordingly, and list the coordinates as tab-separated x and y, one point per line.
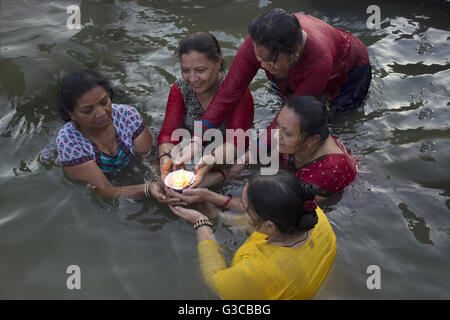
395	215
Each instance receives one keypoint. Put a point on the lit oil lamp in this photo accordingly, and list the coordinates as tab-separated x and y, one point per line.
180	179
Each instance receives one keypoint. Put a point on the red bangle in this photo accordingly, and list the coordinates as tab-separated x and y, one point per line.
226	202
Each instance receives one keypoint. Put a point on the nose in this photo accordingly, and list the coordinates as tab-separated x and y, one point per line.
99	111
267	65
193	77
279	136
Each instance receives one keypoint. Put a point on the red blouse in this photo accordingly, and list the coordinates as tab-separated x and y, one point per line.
328	56
240	118
331	173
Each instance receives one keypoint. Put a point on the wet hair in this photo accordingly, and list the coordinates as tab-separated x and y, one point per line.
281	199
202	42
278	31
75	85
312	114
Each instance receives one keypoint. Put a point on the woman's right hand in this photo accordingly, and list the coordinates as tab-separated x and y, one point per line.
191	196
190	215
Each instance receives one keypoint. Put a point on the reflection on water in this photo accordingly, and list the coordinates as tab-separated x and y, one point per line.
395	215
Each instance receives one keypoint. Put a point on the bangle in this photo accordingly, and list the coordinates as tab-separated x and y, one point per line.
147	188
226	202
165	154
201	223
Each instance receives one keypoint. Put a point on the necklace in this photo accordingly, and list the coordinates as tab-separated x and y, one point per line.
94	140
291	245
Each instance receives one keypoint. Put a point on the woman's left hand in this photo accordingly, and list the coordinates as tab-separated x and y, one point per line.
191	196
190	215
206	163
157	191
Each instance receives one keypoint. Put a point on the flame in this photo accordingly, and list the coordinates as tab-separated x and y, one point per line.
181	179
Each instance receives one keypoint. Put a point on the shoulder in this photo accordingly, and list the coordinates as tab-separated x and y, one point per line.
323	230
125	115
72	145
68	133
121	110
309	22
182	87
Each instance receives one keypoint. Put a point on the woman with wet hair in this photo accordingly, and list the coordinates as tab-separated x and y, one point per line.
305	144
202	71
290	251
100	137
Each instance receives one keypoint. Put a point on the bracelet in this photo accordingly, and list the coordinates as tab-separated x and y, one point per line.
165	154
147	188
226	202
201	223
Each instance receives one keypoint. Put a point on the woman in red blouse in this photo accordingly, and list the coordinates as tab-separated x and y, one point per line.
301	55
202	71
305	143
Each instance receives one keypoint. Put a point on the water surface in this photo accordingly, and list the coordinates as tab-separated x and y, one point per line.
395	215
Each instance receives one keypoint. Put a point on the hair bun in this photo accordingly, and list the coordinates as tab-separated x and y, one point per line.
307	221
306	191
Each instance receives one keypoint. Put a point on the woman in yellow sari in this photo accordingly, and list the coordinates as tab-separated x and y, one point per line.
287	256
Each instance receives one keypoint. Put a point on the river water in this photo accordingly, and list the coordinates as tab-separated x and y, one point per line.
394	216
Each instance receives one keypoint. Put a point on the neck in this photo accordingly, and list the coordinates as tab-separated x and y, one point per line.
94	132
301	48
101	138
306	155
289	240
209	94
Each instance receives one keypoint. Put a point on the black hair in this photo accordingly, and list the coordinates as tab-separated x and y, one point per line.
203	42
280	198
75	85
312	114
278	31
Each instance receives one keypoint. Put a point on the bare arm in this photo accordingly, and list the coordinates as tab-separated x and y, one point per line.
89	172
165	162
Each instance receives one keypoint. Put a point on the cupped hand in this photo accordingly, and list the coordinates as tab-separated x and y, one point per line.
191	196
158	192
190	215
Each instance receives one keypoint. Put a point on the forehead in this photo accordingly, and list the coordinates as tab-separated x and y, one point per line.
262	51
265	54
92	96
194	58
288	119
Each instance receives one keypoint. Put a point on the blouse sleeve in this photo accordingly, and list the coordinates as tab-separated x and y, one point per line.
241	73
134	121
236	282
175	112
71	149
211	261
